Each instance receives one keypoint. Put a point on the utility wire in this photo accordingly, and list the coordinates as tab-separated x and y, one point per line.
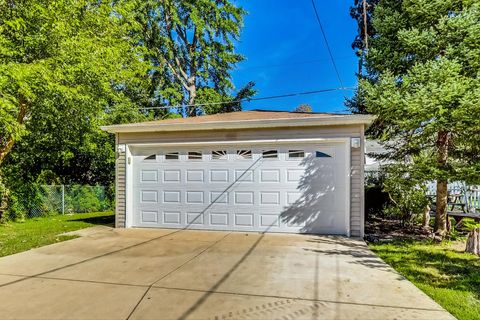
252	99
326	43
287	64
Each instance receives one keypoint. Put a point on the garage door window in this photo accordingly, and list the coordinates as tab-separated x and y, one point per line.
244	154
320	154
194	155
270	154
152	157
296	154
171	156
219	155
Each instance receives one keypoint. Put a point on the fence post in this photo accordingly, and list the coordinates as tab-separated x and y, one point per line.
63	199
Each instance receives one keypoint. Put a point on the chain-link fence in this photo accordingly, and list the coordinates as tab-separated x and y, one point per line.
64	199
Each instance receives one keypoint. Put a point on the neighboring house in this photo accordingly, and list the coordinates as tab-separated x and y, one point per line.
373	147
244	171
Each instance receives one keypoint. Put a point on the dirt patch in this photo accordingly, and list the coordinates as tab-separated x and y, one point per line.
377	229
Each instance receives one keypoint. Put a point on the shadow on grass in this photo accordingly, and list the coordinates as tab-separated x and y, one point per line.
108	220
432	265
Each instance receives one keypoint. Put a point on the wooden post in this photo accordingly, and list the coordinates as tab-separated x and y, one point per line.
473	242
426	217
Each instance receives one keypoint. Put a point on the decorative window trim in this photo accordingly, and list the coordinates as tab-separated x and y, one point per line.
172	156
270	154
219	155
296	154
194	155
244	154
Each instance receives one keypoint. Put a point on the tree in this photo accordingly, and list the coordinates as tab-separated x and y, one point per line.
303	108
423	83
191	48
62	64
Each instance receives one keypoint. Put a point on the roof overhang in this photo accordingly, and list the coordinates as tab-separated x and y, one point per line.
333	120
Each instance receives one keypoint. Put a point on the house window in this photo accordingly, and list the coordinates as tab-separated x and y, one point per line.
194	155
270	154
219	155
151	157
296	154
171	156
244	154
320	154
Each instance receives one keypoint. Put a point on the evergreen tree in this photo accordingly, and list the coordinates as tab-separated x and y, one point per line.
423	82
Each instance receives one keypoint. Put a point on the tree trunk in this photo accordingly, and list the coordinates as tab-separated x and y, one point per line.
442	185
441	214
473	242
192	94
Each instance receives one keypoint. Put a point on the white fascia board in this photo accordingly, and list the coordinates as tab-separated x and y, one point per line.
238	142
243	124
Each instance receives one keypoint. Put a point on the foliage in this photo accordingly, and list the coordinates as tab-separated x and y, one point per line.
62	64
407	194
449	277
376	199
68	67
34	200
303	108
191	49
423	83
32	233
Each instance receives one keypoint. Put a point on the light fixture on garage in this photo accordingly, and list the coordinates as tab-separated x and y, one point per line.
355	143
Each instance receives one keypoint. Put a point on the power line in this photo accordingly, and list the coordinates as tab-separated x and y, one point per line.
287	95
288	64
326	43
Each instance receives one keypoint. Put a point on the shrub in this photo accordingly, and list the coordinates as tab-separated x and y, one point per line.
408	196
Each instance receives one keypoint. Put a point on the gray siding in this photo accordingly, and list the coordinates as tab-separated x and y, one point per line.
356	179
356	186
119	188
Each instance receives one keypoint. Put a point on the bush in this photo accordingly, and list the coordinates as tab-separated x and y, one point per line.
393	193
408	196
376	200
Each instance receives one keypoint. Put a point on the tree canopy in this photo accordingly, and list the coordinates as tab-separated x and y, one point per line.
69	66
191	49
423	82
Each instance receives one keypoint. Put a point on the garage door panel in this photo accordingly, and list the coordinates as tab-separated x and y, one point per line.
172	196
149	176
219	218
197	175
172	175
172	217
242	191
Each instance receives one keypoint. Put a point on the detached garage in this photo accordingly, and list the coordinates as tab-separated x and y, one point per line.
267	171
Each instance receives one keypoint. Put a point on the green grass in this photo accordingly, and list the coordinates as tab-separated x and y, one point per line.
449	277
32	233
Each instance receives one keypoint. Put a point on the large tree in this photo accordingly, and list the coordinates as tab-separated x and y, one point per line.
423	82
62	64
191	46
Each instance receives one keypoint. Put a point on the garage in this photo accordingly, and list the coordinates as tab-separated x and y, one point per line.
259	171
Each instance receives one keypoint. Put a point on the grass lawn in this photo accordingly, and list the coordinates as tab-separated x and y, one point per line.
32	233
450	277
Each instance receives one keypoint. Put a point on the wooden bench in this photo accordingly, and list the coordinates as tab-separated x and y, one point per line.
458	217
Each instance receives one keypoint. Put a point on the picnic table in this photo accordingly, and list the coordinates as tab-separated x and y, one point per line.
459	200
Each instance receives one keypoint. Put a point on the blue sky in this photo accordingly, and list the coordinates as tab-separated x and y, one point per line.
285	52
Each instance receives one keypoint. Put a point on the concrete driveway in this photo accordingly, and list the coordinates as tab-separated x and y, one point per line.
168	274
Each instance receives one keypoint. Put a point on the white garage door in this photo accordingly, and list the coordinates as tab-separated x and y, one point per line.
288	188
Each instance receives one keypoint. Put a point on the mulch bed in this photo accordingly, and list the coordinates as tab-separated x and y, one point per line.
378	229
